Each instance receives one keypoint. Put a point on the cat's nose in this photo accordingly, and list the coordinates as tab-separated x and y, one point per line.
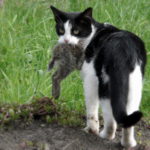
66	41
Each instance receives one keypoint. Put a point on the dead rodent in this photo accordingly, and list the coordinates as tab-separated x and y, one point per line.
66	58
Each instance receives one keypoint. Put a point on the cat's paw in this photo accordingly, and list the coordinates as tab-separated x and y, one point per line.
92	126
128	143
105	135
86	129
90	130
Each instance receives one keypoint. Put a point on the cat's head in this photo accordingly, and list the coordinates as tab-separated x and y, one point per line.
74	28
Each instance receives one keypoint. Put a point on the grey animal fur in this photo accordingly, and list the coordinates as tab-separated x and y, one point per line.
67	58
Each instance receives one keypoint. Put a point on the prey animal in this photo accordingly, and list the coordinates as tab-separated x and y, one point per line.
66	58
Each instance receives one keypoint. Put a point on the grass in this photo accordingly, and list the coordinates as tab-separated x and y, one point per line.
40	109
27	35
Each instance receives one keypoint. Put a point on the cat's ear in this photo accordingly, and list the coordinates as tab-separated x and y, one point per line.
58	14
85	16
87	12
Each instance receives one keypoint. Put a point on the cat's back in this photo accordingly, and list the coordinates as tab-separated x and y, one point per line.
124	47
114	47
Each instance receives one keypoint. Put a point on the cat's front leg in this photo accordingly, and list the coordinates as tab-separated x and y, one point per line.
91	98
92	124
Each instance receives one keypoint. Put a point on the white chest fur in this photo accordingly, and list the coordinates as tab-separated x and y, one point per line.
88	69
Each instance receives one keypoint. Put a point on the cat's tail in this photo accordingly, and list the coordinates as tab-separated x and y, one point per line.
119	85
125	120
130	120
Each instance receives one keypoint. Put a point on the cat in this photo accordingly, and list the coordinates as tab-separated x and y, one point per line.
68	58
112	72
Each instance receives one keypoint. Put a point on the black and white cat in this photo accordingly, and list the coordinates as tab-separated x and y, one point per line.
112	72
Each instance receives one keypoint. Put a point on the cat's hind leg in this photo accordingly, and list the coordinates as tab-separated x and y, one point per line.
110	125
134	98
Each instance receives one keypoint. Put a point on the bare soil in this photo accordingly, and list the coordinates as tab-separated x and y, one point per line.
24	127
41	136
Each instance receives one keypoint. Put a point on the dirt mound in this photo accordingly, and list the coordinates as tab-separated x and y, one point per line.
38	109
29	127
39	136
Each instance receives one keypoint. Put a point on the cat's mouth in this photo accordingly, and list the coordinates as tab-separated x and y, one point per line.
68	42
80	42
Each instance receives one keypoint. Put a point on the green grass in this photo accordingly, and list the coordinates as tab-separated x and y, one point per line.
27	34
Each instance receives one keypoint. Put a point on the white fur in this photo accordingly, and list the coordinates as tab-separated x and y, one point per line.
91	96
67	35
107	24
135	90
128	139
105	77
134	98
110	124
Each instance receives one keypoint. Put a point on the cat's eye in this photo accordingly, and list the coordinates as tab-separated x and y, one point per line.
75	32
61	31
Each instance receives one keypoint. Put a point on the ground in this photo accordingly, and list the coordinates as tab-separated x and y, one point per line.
27	37
41	136
42	125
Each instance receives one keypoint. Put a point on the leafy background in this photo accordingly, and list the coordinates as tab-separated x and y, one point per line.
27	34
